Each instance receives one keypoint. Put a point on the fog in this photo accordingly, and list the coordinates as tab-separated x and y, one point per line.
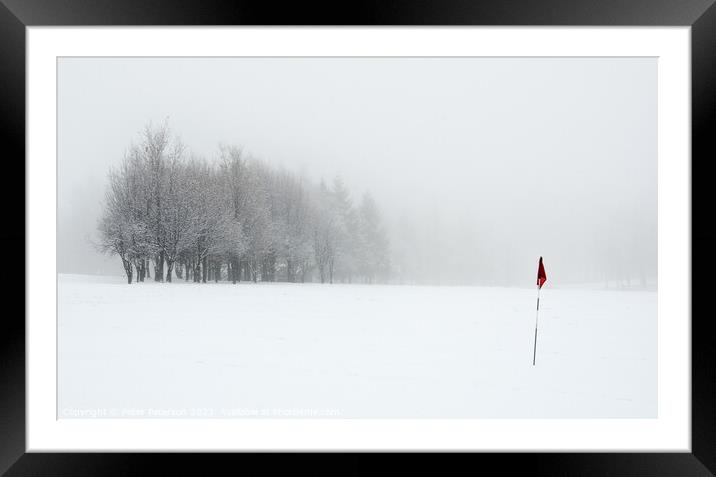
479	166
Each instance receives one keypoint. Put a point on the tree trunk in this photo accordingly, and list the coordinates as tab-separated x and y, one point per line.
128	270
254	265
170	269
272	267
203	270
159	268
264	269
289	271
146	269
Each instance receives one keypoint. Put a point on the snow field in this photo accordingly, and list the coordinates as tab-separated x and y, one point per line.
352	351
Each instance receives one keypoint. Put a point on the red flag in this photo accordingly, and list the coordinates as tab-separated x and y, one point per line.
541	275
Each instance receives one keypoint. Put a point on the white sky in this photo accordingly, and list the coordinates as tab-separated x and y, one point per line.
477	163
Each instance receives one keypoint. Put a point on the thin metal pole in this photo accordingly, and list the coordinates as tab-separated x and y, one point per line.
534	354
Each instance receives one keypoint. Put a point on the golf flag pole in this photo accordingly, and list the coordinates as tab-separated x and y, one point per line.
541	278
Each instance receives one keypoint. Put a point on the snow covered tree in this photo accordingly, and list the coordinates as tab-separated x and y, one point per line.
292	225
326	233
122	230
192	218
176	214
234	190
347	241
207	217
374	246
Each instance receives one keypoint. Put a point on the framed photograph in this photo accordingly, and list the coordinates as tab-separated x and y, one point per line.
424	228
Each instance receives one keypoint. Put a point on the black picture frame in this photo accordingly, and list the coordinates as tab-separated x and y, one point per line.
16	15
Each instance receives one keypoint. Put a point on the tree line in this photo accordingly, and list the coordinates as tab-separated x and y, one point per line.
167	213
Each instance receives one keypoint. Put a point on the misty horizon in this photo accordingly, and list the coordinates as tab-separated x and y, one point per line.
478	165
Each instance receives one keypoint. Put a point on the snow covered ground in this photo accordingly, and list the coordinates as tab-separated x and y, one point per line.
347	351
